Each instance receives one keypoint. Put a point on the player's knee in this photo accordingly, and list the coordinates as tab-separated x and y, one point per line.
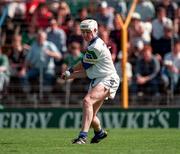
87	102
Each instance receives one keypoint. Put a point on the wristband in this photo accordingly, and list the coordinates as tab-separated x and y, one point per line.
71	70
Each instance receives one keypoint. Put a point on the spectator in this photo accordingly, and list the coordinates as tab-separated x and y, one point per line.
115	34
40	59
170	6
82	14
31	7
8	31
134	53
29	36
53	6
75	34
147	69
16	9
118	66
146	9
165	42
104	35
17	58
73	56
158	28
57	36
41	16
67	25
63	13
177	23
4	73
92	8
3	12
172	66
159	22
104	15
119	5
139	30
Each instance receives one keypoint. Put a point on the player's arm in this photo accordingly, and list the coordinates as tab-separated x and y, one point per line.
78	67
77	74
77	71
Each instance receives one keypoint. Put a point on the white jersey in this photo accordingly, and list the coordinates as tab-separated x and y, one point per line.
99	67
97	60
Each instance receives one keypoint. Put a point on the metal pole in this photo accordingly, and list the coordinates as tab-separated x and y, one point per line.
124	38
41	83
68	91
124	72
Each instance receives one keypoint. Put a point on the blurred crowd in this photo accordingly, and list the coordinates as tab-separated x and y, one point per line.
39	39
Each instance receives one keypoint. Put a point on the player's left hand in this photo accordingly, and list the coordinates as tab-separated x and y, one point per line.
65	75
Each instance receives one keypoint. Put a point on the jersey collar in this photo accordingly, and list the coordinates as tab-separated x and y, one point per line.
93	40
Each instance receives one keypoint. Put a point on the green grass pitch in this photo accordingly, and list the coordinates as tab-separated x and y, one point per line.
119	141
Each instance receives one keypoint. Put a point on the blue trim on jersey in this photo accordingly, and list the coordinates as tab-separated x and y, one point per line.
86	65
88	56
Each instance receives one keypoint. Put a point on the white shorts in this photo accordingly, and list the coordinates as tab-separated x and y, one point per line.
110	82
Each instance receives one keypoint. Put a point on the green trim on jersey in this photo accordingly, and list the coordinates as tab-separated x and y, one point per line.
92	53
90	57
